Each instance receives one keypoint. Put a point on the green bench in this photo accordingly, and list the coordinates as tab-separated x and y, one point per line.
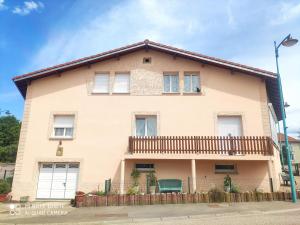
169	185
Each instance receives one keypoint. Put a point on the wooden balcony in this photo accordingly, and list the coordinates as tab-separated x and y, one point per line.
244	145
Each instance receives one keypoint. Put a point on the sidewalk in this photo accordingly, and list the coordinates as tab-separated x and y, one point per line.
155	213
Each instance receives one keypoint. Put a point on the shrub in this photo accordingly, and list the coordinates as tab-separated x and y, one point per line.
227	183
9	180
152	178
4	187
135	174
234	189
72	202
133	191
99	193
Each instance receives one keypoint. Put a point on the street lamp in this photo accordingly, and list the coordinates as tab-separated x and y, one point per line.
288	41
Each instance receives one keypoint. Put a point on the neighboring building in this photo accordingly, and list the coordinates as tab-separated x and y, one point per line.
6	170
147	106
295	151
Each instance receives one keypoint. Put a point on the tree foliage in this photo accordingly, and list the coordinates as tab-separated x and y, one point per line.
9	138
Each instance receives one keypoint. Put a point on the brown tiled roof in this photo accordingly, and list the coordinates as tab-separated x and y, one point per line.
144	43
22	81
291	139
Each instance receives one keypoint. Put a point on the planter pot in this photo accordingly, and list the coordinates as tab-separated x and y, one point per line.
227	188
152	189
3	197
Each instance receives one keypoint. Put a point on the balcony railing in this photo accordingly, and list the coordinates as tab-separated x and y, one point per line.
243	145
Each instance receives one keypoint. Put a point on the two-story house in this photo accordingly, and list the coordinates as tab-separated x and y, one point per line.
151	107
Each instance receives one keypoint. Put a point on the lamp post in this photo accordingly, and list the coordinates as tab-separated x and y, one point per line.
288	41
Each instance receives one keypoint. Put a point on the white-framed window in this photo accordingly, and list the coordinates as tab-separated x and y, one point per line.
171	83
191	83
273	124
225	168
121	83
101	83
146	125
292	153
63	126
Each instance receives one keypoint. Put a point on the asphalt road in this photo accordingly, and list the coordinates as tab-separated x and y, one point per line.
238	213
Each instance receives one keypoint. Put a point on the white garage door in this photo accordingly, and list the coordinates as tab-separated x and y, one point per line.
58	180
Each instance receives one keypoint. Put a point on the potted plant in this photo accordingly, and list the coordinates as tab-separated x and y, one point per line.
4	190
227	183
152	182
135	174
79	196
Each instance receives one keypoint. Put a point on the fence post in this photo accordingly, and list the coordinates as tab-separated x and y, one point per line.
189	185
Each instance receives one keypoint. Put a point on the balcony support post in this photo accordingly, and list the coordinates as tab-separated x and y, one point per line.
122	178
194	179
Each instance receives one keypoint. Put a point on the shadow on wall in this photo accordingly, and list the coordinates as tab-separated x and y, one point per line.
246	179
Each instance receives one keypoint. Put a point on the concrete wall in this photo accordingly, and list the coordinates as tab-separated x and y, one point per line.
104	121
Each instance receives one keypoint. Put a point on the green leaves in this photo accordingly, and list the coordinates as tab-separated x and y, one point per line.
4	187
9	138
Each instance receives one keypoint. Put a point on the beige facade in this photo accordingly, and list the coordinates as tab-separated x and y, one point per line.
103	123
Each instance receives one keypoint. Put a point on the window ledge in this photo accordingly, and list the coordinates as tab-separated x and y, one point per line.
121	93
171	93
61	138
192	93
229	172
99	93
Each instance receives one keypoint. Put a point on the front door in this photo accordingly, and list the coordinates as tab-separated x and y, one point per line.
230	126
58	180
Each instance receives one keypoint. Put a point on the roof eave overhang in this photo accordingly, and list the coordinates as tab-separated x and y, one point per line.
80	63
214	62
22	81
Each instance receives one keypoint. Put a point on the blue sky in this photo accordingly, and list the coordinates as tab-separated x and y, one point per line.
35	34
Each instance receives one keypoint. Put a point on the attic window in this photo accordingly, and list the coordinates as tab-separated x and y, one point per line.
147	60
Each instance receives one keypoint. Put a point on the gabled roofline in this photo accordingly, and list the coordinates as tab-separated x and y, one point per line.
81	61
22	81
213	60
138	45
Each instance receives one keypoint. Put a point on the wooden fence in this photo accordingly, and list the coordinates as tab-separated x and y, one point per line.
226	145
179	198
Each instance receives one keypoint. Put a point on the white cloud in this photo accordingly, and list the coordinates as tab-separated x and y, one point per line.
184	25
28	7
124	23
2	5
231	18
287	12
